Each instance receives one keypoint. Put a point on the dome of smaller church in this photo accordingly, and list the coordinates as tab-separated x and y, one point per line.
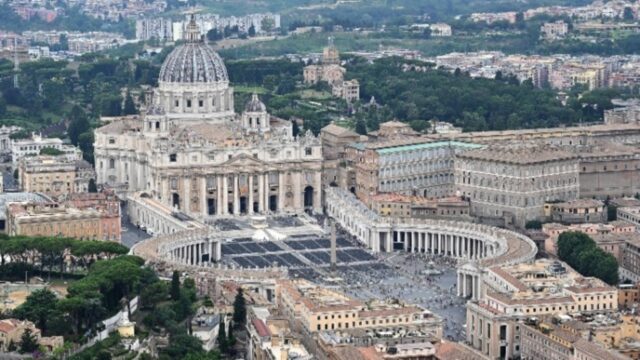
255	105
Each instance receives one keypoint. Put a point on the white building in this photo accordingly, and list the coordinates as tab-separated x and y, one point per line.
33	146
192	152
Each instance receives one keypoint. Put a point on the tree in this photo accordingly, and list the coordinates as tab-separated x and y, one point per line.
39	307
533	225
419	125
581	252
182	344
252	31
222	336
78	124
152	294
361	127
214	35
239	308
231	340
28	342
268	24
612	212
627	14
92	186
129	105
295	128
175	286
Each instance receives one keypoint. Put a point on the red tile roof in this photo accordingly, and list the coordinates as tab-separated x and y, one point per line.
261	328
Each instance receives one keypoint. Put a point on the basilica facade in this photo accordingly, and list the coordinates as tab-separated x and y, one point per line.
189	149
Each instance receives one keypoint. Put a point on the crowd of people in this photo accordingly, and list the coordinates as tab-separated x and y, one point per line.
426	280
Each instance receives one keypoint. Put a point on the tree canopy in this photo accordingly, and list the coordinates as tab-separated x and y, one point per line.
581	252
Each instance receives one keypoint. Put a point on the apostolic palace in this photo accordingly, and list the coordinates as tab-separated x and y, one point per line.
192	152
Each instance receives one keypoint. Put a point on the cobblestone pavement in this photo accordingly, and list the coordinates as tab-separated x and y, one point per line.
427	281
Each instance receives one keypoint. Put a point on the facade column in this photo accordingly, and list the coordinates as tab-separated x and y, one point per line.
405	243
317	191
188	254
236	194
186	195
250	205
219	200
225	194
389	245
281	192
297	191
261	195
267	191
459	284
203	196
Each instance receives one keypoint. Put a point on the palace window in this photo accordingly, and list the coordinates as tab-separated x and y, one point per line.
200	103
177	103
308	151
188	103
173	157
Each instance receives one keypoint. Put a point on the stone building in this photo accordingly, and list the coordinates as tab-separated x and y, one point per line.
335	140
33	146
11	331
406	166
190	151
55	175
611	237
608	169
316	309
579	211
511	293
330	71
415	207
549	341
630	265
629	215
349	90
510	185
554	30
54	219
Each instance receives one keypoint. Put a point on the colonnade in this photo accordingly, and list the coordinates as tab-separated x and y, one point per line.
202	252
480	246
468	284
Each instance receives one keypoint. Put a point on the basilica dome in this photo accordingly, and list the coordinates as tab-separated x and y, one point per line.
193	62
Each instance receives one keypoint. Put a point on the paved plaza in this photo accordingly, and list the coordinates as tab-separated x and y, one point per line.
427	281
